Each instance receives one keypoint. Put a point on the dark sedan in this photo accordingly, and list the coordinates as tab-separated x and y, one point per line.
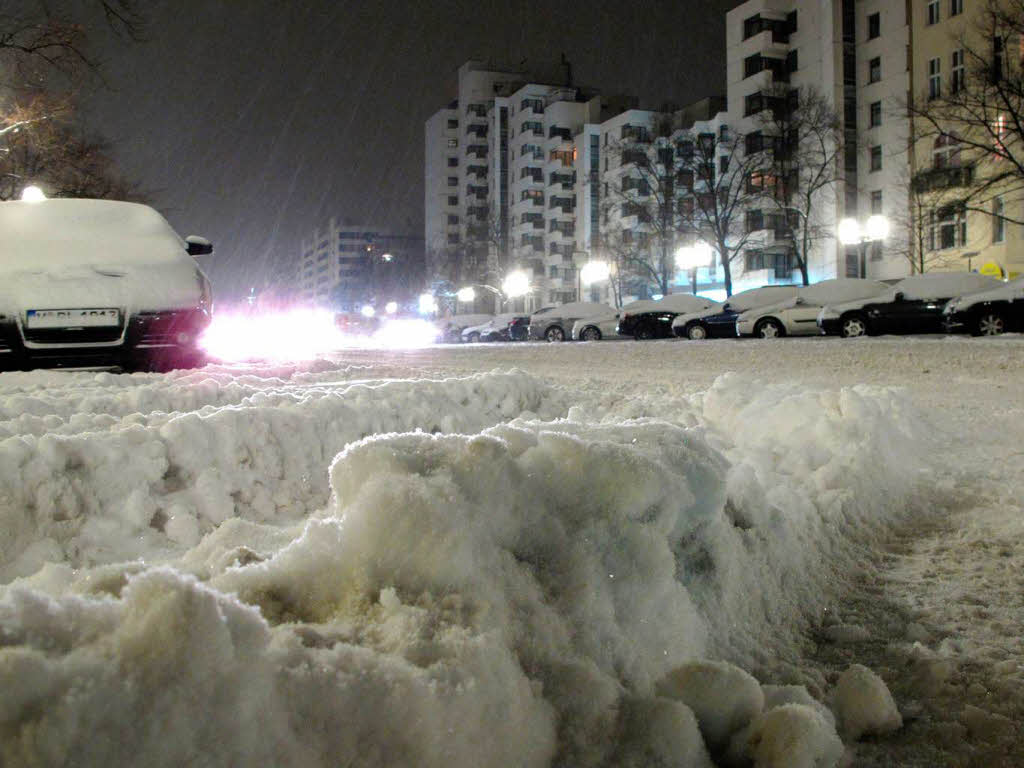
989	313
721	324
656	323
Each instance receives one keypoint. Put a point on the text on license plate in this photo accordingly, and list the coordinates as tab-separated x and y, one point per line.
71	318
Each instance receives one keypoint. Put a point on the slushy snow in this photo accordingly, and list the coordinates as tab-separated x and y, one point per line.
387	564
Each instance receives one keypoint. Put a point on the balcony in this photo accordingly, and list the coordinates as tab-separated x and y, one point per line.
535	175
477	130
943	178
634	157
479	171
561	133
563	228
637	134
566	180
566	204
478	151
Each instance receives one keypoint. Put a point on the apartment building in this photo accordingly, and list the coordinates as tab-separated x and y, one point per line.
344	266
854	54
951	42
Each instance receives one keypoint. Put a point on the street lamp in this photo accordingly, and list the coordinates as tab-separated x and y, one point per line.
391	307
850	232
516	284
692	257
428	304
32	194
467	295
590	273
368	311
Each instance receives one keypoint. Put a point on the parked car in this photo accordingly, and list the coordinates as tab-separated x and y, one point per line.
989	312
99	282
656	322
451	327
555	323
913	305
498	328
606	326
798	316
719	320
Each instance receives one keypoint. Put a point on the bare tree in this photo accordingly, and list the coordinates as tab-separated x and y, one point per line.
975	122
801	137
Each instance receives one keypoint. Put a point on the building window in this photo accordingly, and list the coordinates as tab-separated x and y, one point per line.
791	22
874	25
949	228
876	202
946	151
453	238
453	162
998	221
453	123
792	61
876	158
876	114
452	143
875	69
876	251
956	7
453	199
934	78
998	45
723	163
933	12
958	73
453	181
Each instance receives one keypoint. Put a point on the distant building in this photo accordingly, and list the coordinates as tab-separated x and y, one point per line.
344	266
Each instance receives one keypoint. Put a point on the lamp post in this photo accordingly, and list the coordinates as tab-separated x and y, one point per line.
692	257
592	272
516	284
874	230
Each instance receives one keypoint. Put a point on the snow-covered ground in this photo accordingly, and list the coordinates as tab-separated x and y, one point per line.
668	553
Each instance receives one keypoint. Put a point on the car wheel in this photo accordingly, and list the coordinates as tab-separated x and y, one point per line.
643	333
590	333
473	338
769	328
853	326
554	333
989	324
696	332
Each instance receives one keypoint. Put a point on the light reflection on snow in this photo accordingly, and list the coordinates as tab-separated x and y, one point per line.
303	334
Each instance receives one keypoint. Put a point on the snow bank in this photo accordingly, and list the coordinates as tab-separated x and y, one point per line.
138	488
511	595
864	704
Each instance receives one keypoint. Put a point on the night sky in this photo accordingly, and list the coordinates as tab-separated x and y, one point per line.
252	121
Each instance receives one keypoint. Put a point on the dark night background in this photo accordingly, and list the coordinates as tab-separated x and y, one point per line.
252	121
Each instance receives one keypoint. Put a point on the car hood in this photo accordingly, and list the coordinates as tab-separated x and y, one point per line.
150	284
1011	291
709	312
835	310
765	310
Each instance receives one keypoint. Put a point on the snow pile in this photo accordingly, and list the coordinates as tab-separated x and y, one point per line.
864	704
537	593
137	488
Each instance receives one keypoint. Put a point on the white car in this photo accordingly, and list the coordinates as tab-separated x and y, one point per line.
719	321
475	333
604	326
99	282
451	327
798	316
556	324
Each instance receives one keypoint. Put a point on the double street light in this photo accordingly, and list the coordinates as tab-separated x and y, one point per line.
874	230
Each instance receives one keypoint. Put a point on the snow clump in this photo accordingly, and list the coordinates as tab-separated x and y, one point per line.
864	705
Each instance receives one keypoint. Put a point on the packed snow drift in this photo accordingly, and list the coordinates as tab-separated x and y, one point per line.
341	565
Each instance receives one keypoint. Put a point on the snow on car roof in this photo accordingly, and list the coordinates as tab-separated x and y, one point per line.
578	309
683	302
937	285
841	290
25	223
757	297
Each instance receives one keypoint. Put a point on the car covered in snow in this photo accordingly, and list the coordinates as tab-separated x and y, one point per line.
510	326
989	312
913	305
719	320
606	326
656	322
798	316
99	283
555	323
451	327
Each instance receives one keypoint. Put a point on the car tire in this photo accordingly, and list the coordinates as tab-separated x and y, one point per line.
696	332
473	338
590	333
989	323
769	328
852	326
554	334
643	333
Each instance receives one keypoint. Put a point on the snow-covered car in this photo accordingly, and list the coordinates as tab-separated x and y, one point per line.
656	322
798	316
719	321
987	313
498	328
555	323
606	326
451	327
99	282
913	305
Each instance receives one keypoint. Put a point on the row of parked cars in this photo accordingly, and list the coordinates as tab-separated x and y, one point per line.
848	307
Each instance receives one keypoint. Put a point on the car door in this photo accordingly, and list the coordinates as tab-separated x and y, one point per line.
801	319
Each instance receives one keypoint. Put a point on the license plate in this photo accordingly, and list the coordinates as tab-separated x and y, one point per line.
71	318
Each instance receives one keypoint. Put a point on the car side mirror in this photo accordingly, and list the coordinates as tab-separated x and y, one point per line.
198	246
800	300
898	297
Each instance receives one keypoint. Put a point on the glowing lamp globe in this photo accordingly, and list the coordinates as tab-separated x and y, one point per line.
849	232
32	194
877	227
391	307
368	311
516	284
467	295
594	272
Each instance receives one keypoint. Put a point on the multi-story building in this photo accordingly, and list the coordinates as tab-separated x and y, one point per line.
954	48
344	266
853	53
